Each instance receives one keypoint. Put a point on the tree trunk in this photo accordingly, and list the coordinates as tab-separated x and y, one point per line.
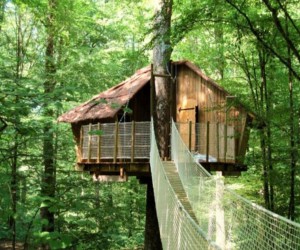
265	169
48	179
15	149
161	57
293	147
152	236
266	135
2	11
14	185
219	38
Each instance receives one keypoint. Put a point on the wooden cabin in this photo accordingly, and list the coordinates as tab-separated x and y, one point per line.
112	130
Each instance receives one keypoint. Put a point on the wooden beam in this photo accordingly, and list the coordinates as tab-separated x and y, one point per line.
80	153
207	141
218	138
225	142
89	143
190	135
172	97
161	75
116	141
99	143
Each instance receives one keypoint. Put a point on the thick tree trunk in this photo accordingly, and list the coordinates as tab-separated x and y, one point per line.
161	56
152	236
49	180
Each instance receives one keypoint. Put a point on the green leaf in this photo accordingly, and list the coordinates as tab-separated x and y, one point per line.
96	132
127	110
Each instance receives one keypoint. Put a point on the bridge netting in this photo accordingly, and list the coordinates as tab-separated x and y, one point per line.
225	220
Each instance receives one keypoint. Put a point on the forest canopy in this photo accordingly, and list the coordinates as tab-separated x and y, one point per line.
55	54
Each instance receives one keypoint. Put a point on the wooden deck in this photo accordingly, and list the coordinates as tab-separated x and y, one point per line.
139	169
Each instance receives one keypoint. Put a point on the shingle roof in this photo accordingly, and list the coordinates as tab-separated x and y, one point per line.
109	102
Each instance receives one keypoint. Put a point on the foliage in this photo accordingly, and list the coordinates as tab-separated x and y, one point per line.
250	47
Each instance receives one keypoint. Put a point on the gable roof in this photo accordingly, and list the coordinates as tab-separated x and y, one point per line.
109	102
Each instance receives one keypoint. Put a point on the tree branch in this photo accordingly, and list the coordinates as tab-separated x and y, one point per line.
255	32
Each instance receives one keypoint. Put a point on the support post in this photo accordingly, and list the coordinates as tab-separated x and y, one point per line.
99	143
225	141
218	145
190	135
80	151
172	97
132	141
207	141
89	143
116	141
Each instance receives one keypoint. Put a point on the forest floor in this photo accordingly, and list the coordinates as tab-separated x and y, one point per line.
7	245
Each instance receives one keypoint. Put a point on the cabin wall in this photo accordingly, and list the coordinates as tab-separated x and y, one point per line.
140	105
198	100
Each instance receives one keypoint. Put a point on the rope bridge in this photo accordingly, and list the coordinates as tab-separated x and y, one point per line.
196	211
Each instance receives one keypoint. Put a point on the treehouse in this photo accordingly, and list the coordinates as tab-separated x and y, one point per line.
112	130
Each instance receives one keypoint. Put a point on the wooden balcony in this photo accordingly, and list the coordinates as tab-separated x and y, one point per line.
115	148
118	148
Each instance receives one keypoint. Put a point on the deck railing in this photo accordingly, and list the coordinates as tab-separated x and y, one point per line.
130	141
210	142
115	141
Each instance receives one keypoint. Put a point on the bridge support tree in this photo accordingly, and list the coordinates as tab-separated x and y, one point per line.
152	236
161	113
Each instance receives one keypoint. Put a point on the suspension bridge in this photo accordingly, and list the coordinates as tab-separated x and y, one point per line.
196	210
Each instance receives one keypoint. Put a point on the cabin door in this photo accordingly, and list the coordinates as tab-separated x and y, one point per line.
185	114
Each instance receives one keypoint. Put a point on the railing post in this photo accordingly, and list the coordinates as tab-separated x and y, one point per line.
218	145
132	140
89	143
81	144
207	141
99	142
116	141
225	142
190	135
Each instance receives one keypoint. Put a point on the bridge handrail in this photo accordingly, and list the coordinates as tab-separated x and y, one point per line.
230	220
177	228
